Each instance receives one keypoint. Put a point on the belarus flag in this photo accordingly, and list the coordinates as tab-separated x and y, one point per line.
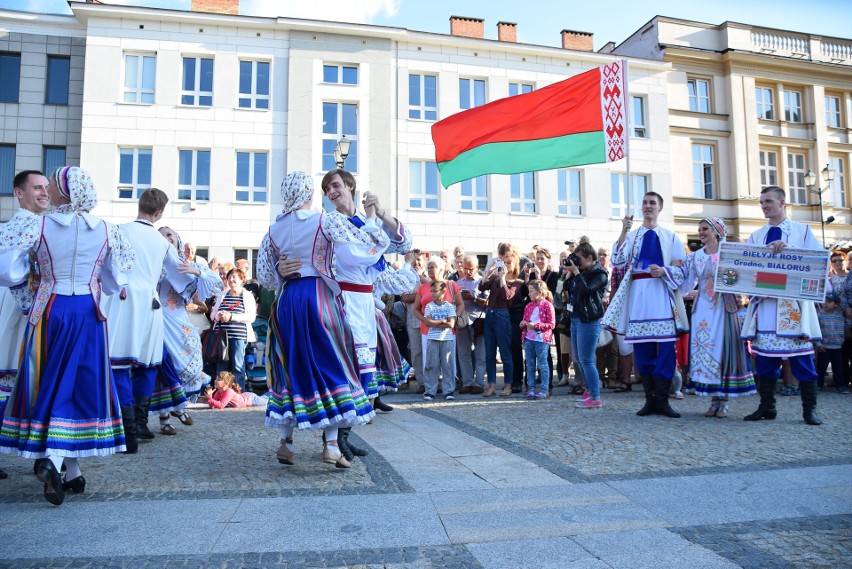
581	120
775	281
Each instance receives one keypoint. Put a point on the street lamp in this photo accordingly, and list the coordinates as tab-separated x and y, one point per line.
342	151
810	182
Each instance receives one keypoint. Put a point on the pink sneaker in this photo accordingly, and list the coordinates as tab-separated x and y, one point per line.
586	395
590	404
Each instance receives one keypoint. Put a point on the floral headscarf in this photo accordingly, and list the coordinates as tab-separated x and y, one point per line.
75	184
296	189
718	226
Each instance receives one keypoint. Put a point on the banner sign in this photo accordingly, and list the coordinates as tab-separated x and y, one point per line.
754	270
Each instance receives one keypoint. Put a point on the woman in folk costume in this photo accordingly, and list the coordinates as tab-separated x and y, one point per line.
181	375
718	362
313	375
391	367
64	404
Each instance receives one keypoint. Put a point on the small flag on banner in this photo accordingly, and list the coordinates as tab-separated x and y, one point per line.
774	281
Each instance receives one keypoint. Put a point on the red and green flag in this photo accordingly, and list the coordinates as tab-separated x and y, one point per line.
581	120
774	281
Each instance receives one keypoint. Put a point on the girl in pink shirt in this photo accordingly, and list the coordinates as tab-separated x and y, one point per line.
537	327
228	394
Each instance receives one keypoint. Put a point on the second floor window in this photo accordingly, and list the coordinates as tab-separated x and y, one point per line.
423	185
423	97
618	194
796	190
838	186
53	158
139	78
763	95
251	177
471	93
519	89
194	175
134	172
699	95
832	111
339	119
768	168
522	198
197	84
58	80
792	106
703	176
570	194
7	169
10	79
637	118
474	194
340	74
254	85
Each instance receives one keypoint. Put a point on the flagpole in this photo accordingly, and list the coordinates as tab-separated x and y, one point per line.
628	185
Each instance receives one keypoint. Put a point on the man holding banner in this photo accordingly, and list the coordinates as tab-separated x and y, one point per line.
782	328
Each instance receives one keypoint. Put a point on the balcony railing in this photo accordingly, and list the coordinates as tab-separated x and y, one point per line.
781	43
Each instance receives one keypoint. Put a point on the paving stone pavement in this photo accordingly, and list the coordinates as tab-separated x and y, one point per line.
472	483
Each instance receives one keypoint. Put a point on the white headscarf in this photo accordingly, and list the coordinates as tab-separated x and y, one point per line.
296	189
75	184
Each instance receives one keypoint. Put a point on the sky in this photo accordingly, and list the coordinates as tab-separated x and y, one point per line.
539	21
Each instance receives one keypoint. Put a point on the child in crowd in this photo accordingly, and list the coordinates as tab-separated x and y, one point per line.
828	351
440	318
537	326
228	394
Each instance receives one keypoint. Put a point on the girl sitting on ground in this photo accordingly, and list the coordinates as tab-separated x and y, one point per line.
228	394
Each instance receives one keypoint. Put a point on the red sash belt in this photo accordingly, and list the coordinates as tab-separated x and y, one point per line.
640	276
352	287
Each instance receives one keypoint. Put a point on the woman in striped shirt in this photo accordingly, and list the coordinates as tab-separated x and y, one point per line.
234	311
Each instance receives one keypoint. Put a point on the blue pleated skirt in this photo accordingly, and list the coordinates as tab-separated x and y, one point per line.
169	394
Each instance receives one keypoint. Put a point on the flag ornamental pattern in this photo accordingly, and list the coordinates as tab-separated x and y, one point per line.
774	281
581	120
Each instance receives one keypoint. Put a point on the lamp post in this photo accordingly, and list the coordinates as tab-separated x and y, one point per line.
810	182
342	151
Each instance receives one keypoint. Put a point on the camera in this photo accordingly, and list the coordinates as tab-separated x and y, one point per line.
572	259
499	266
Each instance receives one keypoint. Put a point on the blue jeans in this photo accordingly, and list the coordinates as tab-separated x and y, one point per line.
536	354
498	333
584	342
236	363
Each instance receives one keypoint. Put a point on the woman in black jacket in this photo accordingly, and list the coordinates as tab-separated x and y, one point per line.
586	293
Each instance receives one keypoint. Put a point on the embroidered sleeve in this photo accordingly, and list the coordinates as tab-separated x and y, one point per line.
354	246
267	259
21	232
122	255
621	255
23	295
208	283
401	242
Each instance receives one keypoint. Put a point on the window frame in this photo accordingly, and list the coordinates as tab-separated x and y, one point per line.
764	107
838	112
341	67
520	88
704	182
618	184
838	185
789	109
10	81
474	194
642	126
566	205
196	93
797	194
424	197
136	187
329	139
767	170
49	166
253	97
140	91
194	187
521	185
423	109
7	177
471	92
48	80
251	190
695	97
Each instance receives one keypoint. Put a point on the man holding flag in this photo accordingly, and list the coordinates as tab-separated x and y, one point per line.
782	328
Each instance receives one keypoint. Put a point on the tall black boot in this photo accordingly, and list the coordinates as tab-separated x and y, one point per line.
128	418
661	397
380	406
342	435
355	450
808	392
648	386
766	409
142	430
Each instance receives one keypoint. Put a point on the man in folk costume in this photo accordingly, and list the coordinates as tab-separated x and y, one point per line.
782	328
135	318
648	309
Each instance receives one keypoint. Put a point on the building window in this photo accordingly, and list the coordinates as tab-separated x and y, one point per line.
340	74
474	194
699	95
252	177
703	178
768	168
570	192
638	128
838	186
471	93
194	175
792	106
134	172
254	85
832	111
764	103
339	119
519	89
58	77
423	97
796	190
248	254
7	169
197	82
618	193
53	157
140	72
522	198
10	81
423	185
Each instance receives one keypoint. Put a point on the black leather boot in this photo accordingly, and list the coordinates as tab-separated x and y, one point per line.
128	418
355	450
661	397
808	392
766	409
380	406
648	386
342	435
142	430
